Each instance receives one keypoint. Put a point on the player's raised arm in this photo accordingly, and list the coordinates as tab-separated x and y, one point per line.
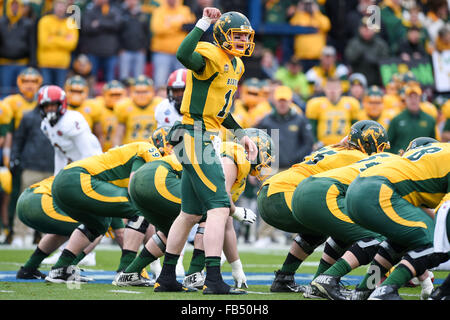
185	53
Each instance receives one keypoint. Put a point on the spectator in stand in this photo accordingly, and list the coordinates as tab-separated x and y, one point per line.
358	86
436	18
411	47
167	34
336	11
443	40
56	41
391	23
276	12
17	45
82	67
353	19
414	17
269	64
308	47
101	24
291	75
134	40
364	52
328	68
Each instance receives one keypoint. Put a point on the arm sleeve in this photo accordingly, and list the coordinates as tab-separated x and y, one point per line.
186	54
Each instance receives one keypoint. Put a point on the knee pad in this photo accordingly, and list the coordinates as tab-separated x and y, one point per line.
159	242
365	249
390	252
201	230
421	258
89	233
137	223
334	249
308	243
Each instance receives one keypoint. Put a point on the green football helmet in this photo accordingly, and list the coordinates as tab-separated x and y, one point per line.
369	136
228	27
159	138
420	142
261	167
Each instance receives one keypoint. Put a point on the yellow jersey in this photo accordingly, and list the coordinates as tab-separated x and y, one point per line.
349	173
333	120
6	117
91	111
5	180
139	122
116	165
421	176
384	119
19	106
324	159
208	95
236	152
392	102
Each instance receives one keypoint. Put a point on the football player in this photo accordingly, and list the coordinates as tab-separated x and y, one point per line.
249	98
168	110
37	210
67	130
113	92
400	189
211	82
332	115
77	92
155	189
276	197
92	191
373	108
137	116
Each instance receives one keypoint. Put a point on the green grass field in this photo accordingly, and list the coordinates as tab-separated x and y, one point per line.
254	262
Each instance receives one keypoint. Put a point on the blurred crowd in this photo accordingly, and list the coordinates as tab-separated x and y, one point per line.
113	58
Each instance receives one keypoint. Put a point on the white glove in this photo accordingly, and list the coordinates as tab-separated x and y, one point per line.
238	274
244	215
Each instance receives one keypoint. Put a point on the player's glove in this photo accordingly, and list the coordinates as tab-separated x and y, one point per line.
244	215
238	274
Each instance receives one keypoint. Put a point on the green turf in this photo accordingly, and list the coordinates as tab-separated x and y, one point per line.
108	260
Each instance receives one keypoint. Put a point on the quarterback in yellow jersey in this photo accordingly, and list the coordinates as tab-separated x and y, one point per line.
275	198
113	92
94	190
374	108
401	188
214	71
332	116
137	116
156	190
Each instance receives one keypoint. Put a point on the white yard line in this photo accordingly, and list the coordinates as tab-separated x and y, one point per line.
125	291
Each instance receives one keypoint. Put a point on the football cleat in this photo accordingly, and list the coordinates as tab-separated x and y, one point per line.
440	293
133	279
194	280
284	282
171	286
220	287
310	292
29	274
66	275
360	294
387	292
329	286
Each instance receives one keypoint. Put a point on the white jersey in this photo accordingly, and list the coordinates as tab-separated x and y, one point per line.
71	138
166	114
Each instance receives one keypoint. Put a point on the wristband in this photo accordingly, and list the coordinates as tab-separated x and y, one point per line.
203	23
